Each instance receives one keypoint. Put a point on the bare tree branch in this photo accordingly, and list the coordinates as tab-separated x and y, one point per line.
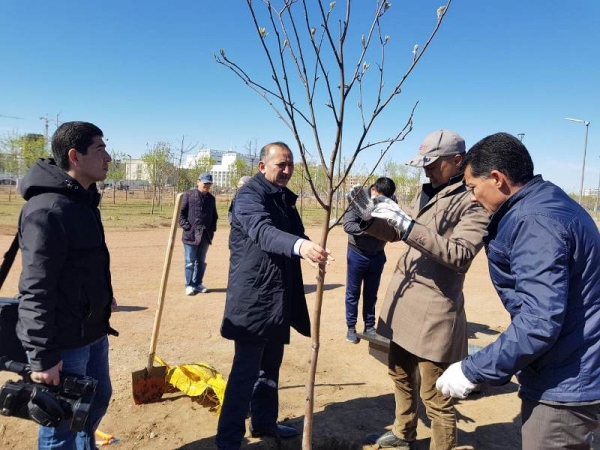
306	56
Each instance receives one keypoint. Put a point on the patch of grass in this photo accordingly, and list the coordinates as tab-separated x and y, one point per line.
135	212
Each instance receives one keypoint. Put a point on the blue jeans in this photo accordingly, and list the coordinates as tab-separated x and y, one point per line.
366	271
195	266
253	383
90	360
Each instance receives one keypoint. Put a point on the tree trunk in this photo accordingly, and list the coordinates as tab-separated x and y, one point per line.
153	198
315	343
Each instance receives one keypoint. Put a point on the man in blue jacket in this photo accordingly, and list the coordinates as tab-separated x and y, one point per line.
265	296
544	258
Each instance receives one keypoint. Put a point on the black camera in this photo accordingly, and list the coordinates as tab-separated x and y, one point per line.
47	405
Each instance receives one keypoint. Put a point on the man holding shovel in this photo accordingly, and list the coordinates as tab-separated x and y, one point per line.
66	293
265	296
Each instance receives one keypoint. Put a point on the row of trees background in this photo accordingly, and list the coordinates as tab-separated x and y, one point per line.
166	175
18	152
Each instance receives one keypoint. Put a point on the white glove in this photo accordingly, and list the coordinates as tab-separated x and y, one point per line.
453	383
360	201
389	210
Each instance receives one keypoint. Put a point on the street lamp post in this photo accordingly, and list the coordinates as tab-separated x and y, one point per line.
587	125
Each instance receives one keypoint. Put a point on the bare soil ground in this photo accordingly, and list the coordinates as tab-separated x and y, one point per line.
353	395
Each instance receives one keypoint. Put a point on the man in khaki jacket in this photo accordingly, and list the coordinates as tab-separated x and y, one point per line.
423	312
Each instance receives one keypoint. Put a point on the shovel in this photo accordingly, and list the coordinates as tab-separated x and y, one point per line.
148	384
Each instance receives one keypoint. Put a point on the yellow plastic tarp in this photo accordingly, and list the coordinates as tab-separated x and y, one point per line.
200	380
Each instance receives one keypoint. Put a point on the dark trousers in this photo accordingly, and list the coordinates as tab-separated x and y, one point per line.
366	271
558	427
253	384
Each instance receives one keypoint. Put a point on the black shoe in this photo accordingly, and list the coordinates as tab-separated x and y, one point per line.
390	440
370	332
351	336
279	432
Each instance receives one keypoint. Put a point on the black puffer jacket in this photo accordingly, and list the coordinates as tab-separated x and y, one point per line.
265	293
65	284
198	217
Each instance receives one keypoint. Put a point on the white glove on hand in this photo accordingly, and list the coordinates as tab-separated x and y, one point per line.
453	383
360	201
389	210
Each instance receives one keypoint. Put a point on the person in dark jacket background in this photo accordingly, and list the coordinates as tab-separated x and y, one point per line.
242	181
198	218
366	258
544	258
265	296
66	294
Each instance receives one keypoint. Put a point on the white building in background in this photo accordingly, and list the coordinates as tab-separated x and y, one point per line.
224	164
136	172
203	154
589	192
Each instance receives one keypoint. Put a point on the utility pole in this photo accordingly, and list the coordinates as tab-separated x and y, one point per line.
521	136
251	154
586	123
252	158
46	120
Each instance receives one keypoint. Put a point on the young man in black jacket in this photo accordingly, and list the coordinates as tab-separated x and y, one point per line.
66	296
365	258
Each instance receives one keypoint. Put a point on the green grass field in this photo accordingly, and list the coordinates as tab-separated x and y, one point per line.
135	212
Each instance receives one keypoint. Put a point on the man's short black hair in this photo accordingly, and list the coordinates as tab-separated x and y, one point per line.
502	152
77	135
385	186
265	150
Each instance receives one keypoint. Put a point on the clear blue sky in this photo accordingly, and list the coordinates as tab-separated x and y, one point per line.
144	72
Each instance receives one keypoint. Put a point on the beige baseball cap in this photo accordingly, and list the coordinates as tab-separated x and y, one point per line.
437	144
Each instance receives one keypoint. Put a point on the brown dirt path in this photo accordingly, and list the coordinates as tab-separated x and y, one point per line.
353	393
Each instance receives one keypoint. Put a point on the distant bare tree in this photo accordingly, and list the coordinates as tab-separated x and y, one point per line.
252	152
406	178
158	162
116	171
180	181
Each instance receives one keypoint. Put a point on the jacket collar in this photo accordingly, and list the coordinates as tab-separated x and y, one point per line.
496	217
271	189
45	177
455	184
432	192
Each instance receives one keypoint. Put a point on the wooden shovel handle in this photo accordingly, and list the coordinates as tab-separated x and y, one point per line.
163	281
